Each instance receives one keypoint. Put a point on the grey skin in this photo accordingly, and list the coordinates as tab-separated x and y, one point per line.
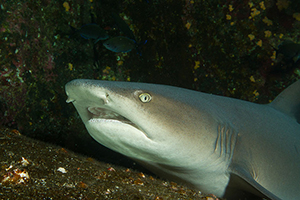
216	144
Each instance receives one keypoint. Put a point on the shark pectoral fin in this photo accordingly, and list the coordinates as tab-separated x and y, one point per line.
288	101
242	184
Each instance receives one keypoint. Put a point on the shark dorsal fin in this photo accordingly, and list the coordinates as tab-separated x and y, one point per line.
288	101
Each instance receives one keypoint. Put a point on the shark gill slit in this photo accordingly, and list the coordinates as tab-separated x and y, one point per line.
225	141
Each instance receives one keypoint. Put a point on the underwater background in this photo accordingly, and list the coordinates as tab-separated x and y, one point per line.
246	49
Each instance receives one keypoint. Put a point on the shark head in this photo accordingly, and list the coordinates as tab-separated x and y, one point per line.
147	122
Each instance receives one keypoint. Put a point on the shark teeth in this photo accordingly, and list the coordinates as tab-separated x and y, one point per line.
103	113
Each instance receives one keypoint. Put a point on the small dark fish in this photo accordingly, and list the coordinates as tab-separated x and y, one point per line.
290	50
287	58
123	26
128	33
120	44
91	31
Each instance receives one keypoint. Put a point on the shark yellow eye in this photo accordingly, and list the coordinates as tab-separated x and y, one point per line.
145	97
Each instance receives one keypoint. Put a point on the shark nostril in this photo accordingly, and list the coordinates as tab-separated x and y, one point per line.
106	99
70	100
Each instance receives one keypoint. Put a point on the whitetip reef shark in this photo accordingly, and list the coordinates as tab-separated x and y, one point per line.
216	144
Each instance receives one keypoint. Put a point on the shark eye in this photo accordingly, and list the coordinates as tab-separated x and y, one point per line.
145	97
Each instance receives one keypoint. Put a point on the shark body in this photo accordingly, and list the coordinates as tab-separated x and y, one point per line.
212	143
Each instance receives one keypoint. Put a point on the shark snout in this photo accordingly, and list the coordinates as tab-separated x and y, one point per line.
87	94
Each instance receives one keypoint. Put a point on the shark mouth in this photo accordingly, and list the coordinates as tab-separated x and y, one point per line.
97	114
